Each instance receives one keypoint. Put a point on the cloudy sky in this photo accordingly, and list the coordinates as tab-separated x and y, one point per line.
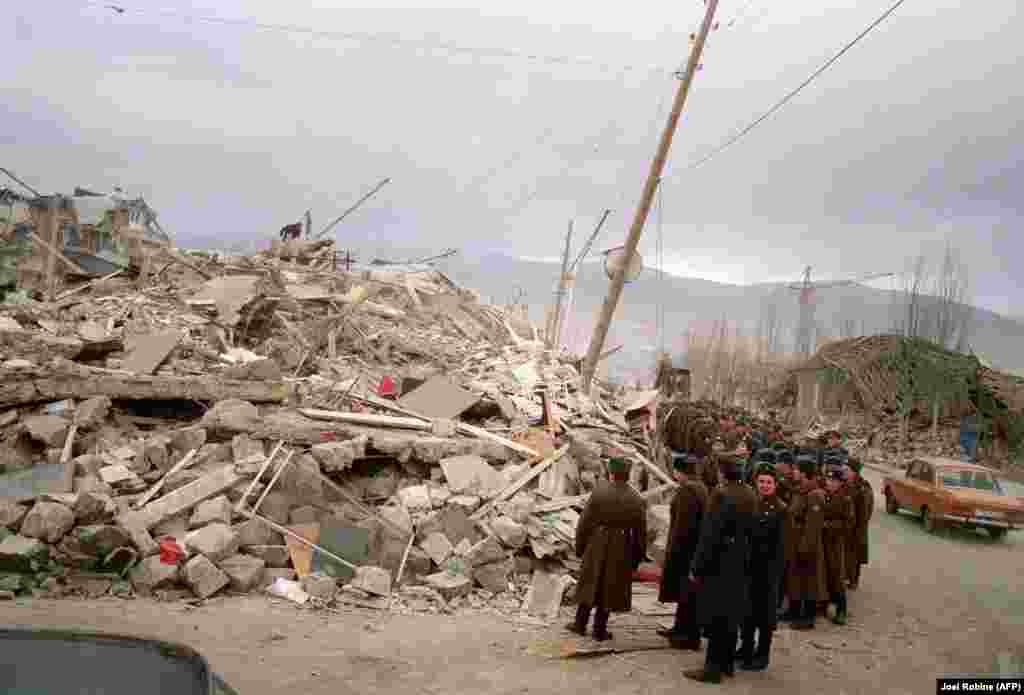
498	125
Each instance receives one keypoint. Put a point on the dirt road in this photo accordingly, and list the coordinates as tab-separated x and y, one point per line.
928	605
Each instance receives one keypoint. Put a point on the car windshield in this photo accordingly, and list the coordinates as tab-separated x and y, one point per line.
972	480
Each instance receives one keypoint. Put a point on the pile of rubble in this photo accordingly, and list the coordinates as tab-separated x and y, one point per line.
270	422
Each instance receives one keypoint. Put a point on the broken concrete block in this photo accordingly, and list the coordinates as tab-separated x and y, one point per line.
320	586
398	516
276	506
176	526
184	441
48	521
255	532
153	454
11	514
467	503
92	483
439	496
305	515
245	450
216	541
272	574
94	508
101	540
437	547
244	571
449	585
302	481
335	457
135	523
544	597
511	532
184	499
231	416
114	475
263	369
493	576
49	430
91	413
485	552
471	475
415	498
22	554
212	511
203	577
372	580
272	555
209	455
152	574
417	564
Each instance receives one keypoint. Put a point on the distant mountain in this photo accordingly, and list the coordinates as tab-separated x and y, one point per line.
696	304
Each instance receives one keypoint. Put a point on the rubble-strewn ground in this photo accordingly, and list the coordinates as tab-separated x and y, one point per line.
928	605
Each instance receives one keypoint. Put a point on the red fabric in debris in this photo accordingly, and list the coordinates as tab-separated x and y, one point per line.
170	552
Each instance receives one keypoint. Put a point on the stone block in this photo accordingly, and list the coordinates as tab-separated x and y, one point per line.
94	508
244	571
49	430
372	580
216	510
203	577
91	413
92	483
11	514
415	498
272	555
255	532
277	507
511	532
437	546
47	521
185	498
246	450
305	515
116	474
335	457
232	415
320	586
418	564
493	576
470	475
216	541
184	441
88	464
176	526
485	552
544	597
449	585
152	574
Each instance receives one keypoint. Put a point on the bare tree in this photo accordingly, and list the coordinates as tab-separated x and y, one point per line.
952	315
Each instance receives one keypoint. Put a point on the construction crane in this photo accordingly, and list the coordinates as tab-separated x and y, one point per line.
805	338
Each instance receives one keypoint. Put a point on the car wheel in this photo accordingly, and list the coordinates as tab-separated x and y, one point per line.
928	521
997	533
891	505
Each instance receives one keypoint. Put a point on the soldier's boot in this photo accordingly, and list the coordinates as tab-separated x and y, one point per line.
854	577
840	616
806	615
792	612
728	655
746	651
676	631
579	626
764	648
601	625
712	672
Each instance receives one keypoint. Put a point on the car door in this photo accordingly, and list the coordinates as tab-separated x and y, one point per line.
925	487
901	487
914	486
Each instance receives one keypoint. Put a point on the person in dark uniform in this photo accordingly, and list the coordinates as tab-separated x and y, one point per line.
709	472
766	559
804	550
863	496
839	520
611	539
719	570
686	513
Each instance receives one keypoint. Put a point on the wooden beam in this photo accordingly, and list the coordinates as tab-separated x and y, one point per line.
185	461
521	483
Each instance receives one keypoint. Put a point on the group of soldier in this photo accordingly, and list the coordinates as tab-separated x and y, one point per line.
762	529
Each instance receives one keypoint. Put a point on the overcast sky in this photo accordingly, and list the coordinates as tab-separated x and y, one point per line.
914	138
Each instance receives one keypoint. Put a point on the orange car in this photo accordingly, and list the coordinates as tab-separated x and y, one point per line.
947	492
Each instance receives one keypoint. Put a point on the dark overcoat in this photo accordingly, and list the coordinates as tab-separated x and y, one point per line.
611	538
767	554
784	490
863	497
805	556
685	513
838	522
720	563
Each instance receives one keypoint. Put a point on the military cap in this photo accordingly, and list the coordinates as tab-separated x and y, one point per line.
768	455
765	469
784	456
618	465
780	445
833	459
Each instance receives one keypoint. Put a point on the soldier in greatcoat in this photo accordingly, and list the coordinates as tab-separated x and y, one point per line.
686	513
719	570
839	520
804	551
863	496
611	537
766	560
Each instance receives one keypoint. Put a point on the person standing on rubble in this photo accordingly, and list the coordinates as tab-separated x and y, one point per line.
804	550
766	560
719	571
685	514
611	538
291	231
839	520
863	497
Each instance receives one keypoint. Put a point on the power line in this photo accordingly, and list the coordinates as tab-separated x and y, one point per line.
386	39
786	99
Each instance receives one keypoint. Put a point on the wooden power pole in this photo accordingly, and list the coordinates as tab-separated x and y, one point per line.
556	315
647	197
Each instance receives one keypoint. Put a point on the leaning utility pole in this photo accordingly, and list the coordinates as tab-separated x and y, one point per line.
354	207
650	187
556	314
